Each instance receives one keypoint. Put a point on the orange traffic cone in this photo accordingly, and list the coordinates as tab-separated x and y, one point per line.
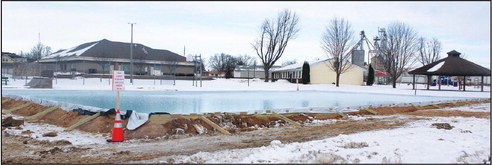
118	135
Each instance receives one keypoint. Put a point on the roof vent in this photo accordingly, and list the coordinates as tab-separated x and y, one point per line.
454	53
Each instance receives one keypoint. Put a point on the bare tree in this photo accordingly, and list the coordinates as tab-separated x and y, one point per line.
289	62
274	36
245	60
39	51
428	50
217	62
223	63
336	42
399	52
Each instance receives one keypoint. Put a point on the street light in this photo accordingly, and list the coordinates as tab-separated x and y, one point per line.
131	55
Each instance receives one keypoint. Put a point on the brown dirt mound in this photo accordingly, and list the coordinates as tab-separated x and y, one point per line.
148	130
11	122
300	118
442	126
186	126
231	122
325	116
12	103
262	122
61	118
441	113
30	110
101	124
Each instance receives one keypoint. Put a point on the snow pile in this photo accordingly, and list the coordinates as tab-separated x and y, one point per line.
472	108
63	105
37	130
418	142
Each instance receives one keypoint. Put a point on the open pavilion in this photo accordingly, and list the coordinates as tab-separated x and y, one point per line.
453	65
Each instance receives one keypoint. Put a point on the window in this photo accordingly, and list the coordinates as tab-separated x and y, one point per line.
105	67
157	67
126	67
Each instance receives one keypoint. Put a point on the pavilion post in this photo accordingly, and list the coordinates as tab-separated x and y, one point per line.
414	81
439	81
482	85
464	82
429	77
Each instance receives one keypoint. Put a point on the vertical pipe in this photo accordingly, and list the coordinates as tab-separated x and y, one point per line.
413	84
83	76
464	82
153	72
131	54
429	77
248	77
439	81
482	85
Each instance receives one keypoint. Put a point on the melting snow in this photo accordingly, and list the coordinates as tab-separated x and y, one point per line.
436	67
416	142
145	51
69	52
76	137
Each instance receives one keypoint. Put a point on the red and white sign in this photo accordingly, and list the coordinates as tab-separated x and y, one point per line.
118	80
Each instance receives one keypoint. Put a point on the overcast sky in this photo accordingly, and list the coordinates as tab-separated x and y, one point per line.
208	28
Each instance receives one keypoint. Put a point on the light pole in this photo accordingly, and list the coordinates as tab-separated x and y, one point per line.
131	55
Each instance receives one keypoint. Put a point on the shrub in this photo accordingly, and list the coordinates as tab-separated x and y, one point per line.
370	76
305	73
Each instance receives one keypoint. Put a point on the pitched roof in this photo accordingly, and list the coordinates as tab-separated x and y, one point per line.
380	74
298	66
111	49
11	55
453	65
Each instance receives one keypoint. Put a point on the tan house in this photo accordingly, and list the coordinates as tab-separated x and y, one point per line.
10	61
320	73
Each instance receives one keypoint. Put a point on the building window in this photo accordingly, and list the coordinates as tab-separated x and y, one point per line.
105	67
126	67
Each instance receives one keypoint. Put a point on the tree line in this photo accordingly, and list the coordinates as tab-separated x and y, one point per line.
400	50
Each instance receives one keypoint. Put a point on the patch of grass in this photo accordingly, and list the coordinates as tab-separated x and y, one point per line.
356	145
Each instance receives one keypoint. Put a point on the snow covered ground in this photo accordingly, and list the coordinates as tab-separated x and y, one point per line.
37	130
416	142
254	85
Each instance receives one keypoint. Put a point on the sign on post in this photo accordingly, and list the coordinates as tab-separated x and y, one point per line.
118	80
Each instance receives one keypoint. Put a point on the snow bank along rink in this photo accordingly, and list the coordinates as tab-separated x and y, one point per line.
417	142
254	85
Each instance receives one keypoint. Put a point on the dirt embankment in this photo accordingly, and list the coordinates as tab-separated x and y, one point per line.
233	123
189	135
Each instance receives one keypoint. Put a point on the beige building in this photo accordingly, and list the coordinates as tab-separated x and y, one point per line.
320	73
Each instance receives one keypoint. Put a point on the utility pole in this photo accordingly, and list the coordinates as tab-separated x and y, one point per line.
131	55
197	71
254	70
194	70
248	74
201	69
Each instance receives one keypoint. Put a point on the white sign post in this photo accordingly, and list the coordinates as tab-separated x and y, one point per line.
118	85
118	80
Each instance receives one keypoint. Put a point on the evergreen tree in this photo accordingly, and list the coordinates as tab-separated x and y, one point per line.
370	76
305	73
